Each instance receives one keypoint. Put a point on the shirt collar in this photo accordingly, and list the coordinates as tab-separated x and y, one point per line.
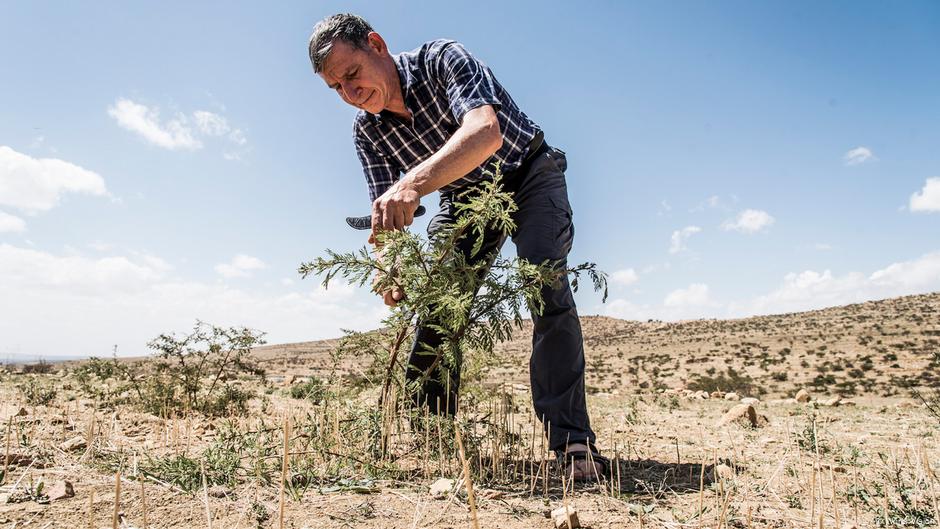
407	80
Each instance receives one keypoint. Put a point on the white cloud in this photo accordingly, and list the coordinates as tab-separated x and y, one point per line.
173	134
712	202
822	246
11	223
210	123
181	132
928	198
749	221
695	295
799	291
811	289
664	208
80	275
70	304
624	277
679	237
240	266
859	155
37	184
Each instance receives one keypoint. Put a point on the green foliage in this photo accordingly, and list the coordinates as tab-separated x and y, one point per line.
311	389
730	381
36	393
930	397
809	440
473	306
198	372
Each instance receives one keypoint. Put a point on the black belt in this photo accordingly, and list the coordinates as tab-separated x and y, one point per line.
536	148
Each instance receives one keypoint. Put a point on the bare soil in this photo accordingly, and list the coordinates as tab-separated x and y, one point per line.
657	392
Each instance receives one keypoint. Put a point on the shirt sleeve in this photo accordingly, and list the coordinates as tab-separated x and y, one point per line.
468	82
380	172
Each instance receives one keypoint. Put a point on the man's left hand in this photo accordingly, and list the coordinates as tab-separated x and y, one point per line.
396	207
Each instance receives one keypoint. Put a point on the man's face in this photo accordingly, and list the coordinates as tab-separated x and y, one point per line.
361	77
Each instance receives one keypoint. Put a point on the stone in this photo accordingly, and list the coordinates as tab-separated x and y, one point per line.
442	487
750	400
21	413
744	413
724	472
562	515
802	396
75	443
60	490
731	396
834	401
717	395
217	491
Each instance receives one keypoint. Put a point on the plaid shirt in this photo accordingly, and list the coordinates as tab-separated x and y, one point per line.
440	82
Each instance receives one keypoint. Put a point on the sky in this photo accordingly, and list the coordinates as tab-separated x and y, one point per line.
167	162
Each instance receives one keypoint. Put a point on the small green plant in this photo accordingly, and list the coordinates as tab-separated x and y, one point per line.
730	380
809	440
200	371
474	305
311	389
36	393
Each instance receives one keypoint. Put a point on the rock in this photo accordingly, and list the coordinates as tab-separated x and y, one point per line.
442	487
750	400
802	396
834	401
21	413
717	395
744	413
731	396
75	443
60	490
701	395
724	472
4	499
217	491
560	517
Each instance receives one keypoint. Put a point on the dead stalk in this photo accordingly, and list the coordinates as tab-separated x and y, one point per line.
115	521
205	493
466	476
6	457
284	463
143	502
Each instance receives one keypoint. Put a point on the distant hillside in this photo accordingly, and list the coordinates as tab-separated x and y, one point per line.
874	348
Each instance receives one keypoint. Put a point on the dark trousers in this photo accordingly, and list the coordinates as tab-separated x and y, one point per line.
544	230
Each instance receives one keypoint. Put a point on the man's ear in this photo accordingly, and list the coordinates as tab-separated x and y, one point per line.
377	43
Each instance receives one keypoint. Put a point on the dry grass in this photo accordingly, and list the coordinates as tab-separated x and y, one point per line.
871	462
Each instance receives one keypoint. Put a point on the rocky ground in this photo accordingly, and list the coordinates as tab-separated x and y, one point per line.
793	420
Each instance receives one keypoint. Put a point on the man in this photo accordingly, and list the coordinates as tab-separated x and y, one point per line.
439	116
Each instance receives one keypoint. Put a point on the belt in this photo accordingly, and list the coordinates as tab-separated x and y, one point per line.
536	148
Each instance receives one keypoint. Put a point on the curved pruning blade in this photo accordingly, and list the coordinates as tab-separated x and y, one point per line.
365	223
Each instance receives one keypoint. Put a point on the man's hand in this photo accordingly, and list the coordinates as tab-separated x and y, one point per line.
392	296
396	207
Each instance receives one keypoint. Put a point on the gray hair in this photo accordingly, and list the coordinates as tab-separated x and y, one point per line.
347	27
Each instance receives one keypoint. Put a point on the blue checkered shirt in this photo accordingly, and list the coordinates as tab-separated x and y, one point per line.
440	82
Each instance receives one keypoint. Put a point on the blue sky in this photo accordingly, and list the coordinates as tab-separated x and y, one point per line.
166	162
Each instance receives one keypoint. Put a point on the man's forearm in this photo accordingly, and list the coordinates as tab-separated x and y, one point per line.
477	139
